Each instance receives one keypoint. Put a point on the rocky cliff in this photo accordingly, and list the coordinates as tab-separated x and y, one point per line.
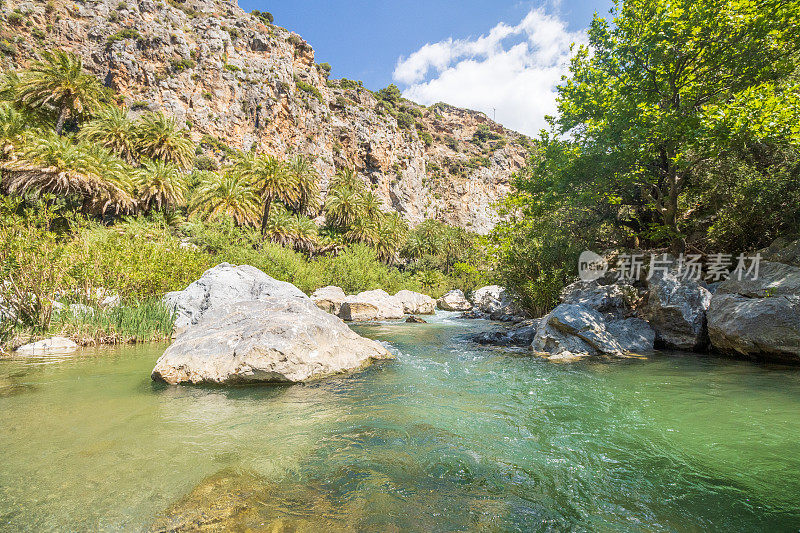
237	80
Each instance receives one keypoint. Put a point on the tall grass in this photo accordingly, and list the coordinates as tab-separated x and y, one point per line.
145	321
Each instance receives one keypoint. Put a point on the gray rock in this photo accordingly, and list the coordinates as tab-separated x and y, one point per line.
782	251
774	279
494	301
415	303
225	284
329	299
580	331
371	305
454	301
52	345
521	334
676	309
758	318
415	320
274	339
615	298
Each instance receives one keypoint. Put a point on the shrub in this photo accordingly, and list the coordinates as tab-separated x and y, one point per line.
308	88
205	162
264	16
179	65
127	33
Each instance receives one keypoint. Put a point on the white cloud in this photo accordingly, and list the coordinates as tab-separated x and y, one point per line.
512	69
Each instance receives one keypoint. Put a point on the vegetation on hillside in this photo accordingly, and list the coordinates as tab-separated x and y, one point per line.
678	128
96	197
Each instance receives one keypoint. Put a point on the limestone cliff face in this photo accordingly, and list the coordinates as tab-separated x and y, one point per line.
230	75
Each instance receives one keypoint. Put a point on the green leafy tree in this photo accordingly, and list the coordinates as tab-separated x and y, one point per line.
647	106
57	81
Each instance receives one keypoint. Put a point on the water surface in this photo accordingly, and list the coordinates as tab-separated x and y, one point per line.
449	436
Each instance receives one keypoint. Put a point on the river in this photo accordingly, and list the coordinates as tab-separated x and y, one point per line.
448	436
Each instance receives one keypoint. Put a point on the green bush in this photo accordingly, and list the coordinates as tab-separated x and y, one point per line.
127	33
179	65
264	16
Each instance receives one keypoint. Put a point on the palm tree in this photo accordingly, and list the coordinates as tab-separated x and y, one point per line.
415	246
392	231
347	179
13	126
226	194
272	180
159	137
371	206
363	230
304	233
160	184
57	81
344	204
54	164
306	181
112	129
117	175
279	227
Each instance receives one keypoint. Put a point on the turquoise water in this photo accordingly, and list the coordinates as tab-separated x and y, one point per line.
449	436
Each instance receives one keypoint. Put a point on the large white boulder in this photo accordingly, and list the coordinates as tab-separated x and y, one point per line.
329	299
225	284
415	303
371	305
273	339
454	301
52	345
758	318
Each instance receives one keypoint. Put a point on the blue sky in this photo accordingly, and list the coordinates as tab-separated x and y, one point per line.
501	57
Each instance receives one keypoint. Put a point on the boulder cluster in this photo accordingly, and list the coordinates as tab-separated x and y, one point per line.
754	318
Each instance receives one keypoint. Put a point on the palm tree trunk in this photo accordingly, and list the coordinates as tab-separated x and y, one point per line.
62	117
265	217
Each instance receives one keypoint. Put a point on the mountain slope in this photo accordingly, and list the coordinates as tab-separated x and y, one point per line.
233	76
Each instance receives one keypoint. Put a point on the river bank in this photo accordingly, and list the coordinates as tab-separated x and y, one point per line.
447	435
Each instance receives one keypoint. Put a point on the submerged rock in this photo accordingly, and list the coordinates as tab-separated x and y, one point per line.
274	339
758	318
329	299
415	303
520	334
454	301
415	320
371	305
48	346
225	284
